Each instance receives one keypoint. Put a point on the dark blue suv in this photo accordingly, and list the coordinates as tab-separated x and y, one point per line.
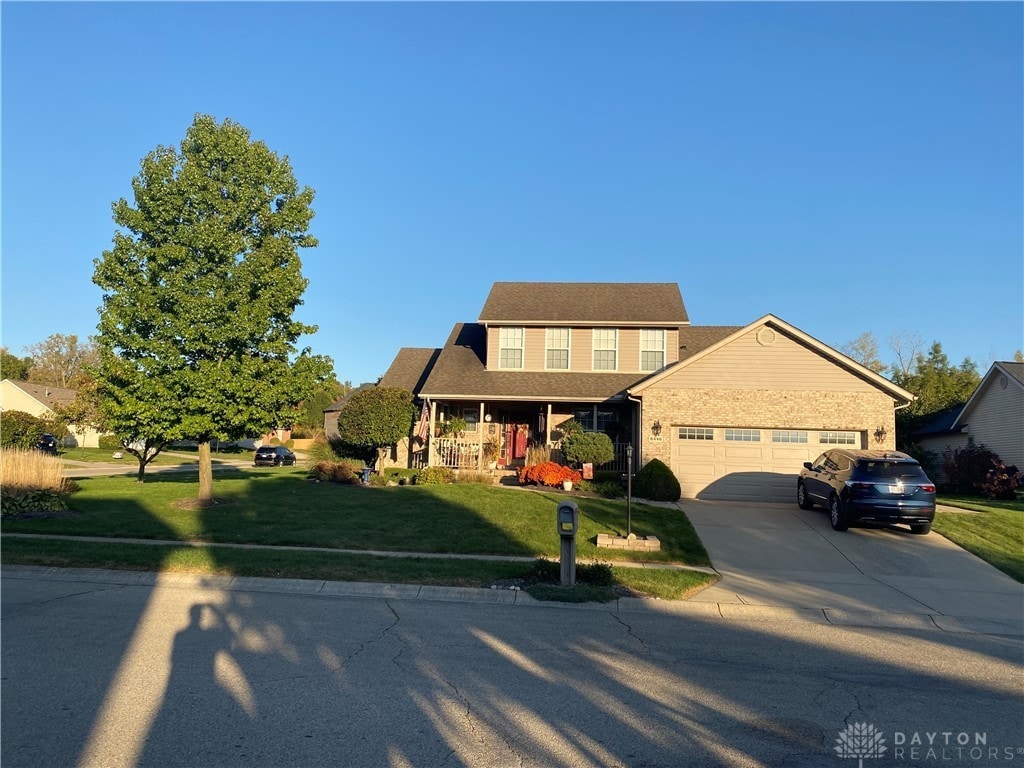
858	486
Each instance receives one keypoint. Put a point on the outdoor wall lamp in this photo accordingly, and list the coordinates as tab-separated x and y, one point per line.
656	429
880	434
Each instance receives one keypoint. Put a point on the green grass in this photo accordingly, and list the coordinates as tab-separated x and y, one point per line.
336	567
996	534
279	506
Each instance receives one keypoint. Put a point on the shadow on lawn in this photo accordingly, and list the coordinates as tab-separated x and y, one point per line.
187	672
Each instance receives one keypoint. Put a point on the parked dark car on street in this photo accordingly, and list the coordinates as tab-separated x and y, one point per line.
273	456
858	486
47	444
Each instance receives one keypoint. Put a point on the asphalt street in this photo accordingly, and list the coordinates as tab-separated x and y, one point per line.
119	669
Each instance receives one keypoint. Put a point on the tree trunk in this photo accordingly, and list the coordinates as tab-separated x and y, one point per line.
141	476
205	472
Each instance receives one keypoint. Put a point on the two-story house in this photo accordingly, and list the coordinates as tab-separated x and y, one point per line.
734	410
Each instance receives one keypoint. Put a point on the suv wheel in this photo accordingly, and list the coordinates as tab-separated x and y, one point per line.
921	529
835	514
802	498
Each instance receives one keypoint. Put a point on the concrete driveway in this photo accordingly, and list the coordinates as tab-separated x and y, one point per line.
781	555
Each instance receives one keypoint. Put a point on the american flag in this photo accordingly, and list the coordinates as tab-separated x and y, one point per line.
424	425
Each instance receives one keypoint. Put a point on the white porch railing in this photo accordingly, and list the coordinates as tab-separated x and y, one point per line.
457	453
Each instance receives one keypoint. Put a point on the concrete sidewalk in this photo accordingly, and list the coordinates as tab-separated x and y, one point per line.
702	609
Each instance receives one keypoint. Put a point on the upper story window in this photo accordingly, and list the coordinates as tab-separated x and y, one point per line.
652	349
606	344
556	349
510	347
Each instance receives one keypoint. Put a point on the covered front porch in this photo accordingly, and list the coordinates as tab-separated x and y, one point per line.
480	435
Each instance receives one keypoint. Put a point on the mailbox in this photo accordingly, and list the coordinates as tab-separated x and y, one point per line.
568	518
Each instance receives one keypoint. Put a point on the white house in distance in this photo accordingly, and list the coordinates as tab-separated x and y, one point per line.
993	417
40	400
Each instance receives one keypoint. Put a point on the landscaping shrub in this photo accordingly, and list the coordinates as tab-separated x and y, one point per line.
967	468
21	430
607	476
549	474
607	489
435	476
929	460
1001	482
397	474
110	443
588	448
344	472
377	481
538	454
655	481
473	476
32	482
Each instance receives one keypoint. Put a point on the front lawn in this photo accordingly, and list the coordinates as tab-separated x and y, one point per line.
995	534
279	506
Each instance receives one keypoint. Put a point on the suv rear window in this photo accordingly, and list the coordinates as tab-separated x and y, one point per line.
888	470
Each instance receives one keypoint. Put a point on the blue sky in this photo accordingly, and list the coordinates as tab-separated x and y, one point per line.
848	167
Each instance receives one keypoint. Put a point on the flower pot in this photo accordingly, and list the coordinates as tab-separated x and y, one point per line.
567	485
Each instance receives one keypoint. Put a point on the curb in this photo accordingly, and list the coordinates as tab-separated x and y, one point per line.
517	598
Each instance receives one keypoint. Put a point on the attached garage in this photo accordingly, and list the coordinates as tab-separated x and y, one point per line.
747	464
738	416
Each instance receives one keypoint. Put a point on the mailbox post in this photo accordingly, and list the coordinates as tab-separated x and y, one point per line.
568	520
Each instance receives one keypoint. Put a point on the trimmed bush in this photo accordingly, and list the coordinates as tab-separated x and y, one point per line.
435	476
656	482
21	430
397	474
110	443
588	448
607	489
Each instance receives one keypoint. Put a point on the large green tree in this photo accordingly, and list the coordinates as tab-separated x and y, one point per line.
376	418
62	361
938	385
14	367
196	335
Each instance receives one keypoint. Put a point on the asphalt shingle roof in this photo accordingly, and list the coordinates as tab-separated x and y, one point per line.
410	368
460	371
585	303
696	338
48	395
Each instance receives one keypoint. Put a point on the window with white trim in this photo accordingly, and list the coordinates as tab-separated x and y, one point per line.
743	435
472	418
510	347
838	438
606	344
696	433
652	349
556	349
788	436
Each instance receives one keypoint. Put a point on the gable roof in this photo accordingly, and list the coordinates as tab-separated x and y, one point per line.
941	424
45	394
897	393
460	371
1014	373
410	368
342	401
621	304
696	338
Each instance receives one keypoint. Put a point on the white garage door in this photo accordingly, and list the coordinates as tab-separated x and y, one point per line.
746	464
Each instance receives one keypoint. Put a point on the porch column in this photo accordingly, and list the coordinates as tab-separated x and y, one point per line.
480	424
547	427
430	435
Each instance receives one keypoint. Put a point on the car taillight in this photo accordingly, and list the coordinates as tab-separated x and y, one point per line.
859	486
927	488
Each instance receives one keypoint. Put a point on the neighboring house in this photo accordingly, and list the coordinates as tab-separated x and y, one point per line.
993	417
40	400
734	410
331	412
